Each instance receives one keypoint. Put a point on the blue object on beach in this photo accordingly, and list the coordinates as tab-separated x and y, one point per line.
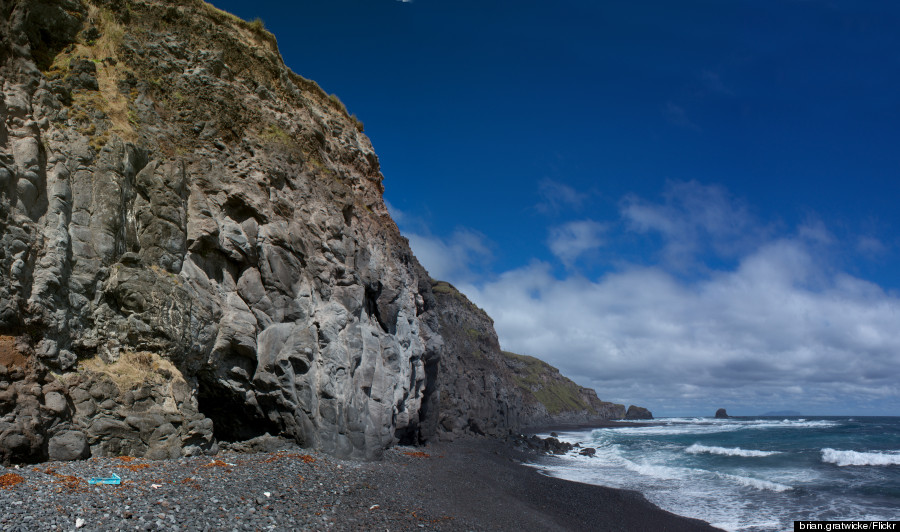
115	479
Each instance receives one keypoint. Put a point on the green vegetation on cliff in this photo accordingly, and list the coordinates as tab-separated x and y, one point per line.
544	384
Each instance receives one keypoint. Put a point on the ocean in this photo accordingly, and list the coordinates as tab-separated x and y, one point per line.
747	473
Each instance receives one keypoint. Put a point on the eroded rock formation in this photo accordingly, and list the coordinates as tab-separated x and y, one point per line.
170	190
194	248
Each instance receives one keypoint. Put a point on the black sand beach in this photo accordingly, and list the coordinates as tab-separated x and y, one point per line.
472	484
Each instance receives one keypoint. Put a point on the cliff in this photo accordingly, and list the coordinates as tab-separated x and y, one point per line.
194	248
487	390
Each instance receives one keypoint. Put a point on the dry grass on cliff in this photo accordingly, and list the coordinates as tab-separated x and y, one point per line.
132	369
103	52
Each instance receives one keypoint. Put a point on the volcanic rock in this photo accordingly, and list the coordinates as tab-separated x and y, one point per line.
721	413
194	249
193	240
638	412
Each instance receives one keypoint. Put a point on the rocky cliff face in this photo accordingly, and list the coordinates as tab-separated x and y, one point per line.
194	248
192	236
485	390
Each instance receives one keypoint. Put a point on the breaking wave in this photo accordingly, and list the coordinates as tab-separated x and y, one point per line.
855	458
726	451
756	483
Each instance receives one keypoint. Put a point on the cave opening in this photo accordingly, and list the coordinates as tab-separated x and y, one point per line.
233	418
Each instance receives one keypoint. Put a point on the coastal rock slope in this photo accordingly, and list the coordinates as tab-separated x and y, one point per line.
194	248
486	390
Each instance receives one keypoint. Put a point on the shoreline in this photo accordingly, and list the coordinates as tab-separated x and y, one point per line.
601	424
473	483
523	498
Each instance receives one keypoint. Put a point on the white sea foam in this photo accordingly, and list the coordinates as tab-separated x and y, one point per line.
756	483
726	451
657	471
676	426
856	458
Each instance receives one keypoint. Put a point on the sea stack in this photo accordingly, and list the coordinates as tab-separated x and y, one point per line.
721	414
638	412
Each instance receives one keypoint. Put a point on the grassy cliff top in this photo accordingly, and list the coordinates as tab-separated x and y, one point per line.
543	383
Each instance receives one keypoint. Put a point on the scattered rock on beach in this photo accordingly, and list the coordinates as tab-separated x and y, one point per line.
549	445
588	451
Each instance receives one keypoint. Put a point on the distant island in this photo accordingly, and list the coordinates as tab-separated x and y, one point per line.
782	413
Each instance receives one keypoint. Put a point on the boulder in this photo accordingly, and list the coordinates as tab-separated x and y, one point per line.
68	445
721	414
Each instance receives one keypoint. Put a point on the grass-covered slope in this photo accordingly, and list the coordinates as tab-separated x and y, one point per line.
543	383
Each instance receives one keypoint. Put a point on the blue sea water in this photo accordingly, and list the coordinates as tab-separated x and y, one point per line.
748	473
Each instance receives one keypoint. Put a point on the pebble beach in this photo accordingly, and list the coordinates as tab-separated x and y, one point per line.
473	484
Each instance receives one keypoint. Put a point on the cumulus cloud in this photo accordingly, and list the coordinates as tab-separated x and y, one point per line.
694	219
777	326
455	258
870	246
572	240
759	337
458	257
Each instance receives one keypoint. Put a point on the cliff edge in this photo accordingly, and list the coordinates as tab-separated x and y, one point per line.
194	248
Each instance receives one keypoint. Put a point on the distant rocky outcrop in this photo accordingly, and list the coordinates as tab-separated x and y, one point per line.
638	412
194	249
487	390
721	413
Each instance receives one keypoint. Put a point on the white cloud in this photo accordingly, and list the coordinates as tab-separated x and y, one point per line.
740	338
871	247
452	259
782	327
694	219
814	230
572	240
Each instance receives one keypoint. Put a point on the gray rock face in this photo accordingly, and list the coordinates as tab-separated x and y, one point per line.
194	249
185	198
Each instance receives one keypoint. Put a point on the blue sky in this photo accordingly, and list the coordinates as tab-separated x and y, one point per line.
684	205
